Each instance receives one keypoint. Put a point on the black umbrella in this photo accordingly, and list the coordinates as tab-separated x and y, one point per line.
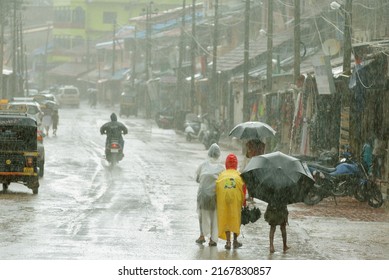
252	130
250	215
50	104
277	178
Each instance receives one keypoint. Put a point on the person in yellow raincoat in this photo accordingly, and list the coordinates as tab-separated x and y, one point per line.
229	201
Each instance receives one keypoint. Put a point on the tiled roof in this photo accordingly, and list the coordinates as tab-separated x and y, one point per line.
68	69
235	58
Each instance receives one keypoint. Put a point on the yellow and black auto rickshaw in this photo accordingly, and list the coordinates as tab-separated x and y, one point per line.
3	104
128	104
18	150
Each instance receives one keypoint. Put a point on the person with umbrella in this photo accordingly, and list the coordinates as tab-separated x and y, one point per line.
279	180
229	201
254	147
47	120
277	215
253	133
206	175
55	119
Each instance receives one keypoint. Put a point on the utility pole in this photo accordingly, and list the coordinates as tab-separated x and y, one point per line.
296	40
180	76
347	38
14	47
134	55
246	65
149	12
214	101
179	89
21	53
113	46
148	101
2	23
147	42
46	56
269	70
193	55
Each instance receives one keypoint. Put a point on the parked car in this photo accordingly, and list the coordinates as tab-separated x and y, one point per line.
47	100
68	96
30	92
29	107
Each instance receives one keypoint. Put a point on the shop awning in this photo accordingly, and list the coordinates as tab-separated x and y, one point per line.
97	75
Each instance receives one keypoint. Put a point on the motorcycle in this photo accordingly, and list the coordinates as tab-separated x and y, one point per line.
195	127
347	178
113	151
326	158
212	135
165	118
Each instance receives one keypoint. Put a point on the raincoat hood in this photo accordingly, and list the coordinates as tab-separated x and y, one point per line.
114	118
231	162
214	151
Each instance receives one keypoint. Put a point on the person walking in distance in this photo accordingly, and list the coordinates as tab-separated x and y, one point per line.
55	119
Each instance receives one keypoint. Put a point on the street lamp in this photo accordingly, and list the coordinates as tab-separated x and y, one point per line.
335	5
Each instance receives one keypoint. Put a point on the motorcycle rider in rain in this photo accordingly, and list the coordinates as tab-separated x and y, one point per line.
114	129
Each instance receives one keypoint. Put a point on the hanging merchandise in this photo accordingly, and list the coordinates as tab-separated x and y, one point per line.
299	112
261	109
296	120
254	109
287	109
344	127
304	147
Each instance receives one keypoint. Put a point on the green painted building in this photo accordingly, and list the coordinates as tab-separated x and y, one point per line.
78	25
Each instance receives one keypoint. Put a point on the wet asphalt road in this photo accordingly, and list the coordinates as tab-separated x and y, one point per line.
145	208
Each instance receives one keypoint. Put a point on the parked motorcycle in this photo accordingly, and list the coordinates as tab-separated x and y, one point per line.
113	151
326	158
195	127
165	118
212	135
348	178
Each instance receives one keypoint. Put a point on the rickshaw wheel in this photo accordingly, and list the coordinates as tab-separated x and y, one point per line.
41	170
34	186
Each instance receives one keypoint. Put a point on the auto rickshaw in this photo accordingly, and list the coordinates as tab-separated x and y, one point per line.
18	150
3	104
128	104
